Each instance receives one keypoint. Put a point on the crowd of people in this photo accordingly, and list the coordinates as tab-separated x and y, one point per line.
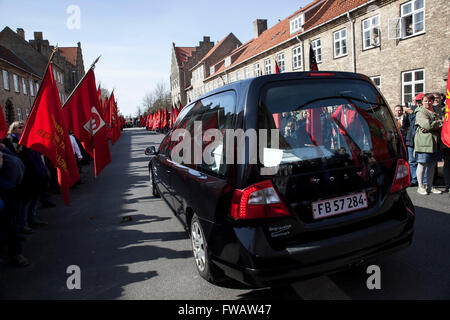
421	125
27	179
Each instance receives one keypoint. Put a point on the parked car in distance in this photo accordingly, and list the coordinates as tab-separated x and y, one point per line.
286	176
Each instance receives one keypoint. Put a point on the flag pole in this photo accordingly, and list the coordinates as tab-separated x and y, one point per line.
79	82
45	72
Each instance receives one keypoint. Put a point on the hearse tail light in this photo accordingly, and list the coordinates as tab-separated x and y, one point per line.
320	74
256	202
401	180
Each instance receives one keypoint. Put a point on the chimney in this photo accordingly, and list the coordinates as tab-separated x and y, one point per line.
38	36
259	26
206	39
21	33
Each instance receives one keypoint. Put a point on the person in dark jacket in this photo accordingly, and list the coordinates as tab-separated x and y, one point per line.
11	175
408	126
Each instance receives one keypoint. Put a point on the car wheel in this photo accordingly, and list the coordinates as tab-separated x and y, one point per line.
201	254
155	192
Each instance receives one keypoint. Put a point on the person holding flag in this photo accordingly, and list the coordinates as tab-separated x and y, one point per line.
83	115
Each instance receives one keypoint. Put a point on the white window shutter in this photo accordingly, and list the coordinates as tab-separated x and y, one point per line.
394	28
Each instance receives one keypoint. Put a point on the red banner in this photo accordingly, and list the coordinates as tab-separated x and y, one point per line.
3	124
83	116
46	132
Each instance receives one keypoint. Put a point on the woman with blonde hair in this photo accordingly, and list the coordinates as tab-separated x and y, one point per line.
427	143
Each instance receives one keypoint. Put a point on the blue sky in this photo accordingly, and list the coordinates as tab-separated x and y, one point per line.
134	38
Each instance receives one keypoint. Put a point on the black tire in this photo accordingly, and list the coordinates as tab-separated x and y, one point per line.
205	268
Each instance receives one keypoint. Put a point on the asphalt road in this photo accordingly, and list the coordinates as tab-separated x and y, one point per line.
149	256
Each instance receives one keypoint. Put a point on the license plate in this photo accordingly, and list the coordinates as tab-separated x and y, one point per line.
335	206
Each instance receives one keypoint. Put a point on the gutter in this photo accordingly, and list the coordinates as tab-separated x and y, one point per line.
309	30
352	30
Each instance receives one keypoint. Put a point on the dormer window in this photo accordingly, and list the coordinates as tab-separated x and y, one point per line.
297	23
227	61
211	70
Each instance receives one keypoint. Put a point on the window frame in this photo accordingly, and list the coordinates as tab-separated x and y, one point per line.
340	41
296	24
316	48
6	84
412	83
31	83
373	80
24	86
413	15
256	69
371	29
16	83
299	57
281	61
268	66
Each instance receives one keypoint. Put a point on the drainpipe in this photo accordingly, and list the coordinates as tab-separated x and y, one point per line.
352	29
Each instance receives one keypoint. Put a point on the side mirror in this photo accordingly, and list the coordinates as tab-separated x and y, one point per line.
150	151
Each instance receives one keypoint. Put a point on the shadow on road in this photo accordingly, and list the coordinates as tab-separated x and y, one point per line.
95	233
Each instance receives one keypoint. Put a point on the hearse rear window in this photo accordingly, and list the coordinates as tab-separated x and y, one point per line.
328	120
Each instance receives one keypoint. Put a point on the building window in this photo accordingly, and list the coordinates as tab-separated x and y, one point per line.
376	81
19	114
247	72
211	70
231	77
24	85
37	87
256	69
239	75
371	32
412	18
16	83
413	83
281	63
297	59
317	48
27	113
227	61
268	66
5	80
297	23
31	88
340	43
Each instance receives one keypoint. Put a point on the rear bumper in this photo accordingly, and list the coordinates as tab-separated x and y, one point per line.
323	257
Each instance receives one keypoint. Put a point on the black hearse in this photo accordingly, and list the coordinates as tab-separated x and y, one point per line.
321	188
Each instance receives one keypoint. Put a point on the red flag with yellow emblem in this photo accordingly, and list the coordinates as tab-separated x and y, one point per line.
46	132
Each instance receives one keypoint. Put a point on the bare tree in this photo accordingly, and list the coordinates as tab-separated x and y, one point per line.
159	98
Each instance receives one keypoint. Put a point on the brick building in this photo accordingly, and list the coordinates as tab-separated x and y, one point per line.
68	68
183	59
19	84
402	45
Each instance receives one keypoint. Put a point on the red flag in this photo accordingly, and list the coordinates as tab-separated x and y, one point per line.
3	124
83	116
312	60
46	133
113	117
314	126
445	135
277	68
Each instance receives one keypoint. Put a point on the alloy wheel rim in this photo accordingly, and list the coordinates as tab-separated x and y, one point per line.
198	246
